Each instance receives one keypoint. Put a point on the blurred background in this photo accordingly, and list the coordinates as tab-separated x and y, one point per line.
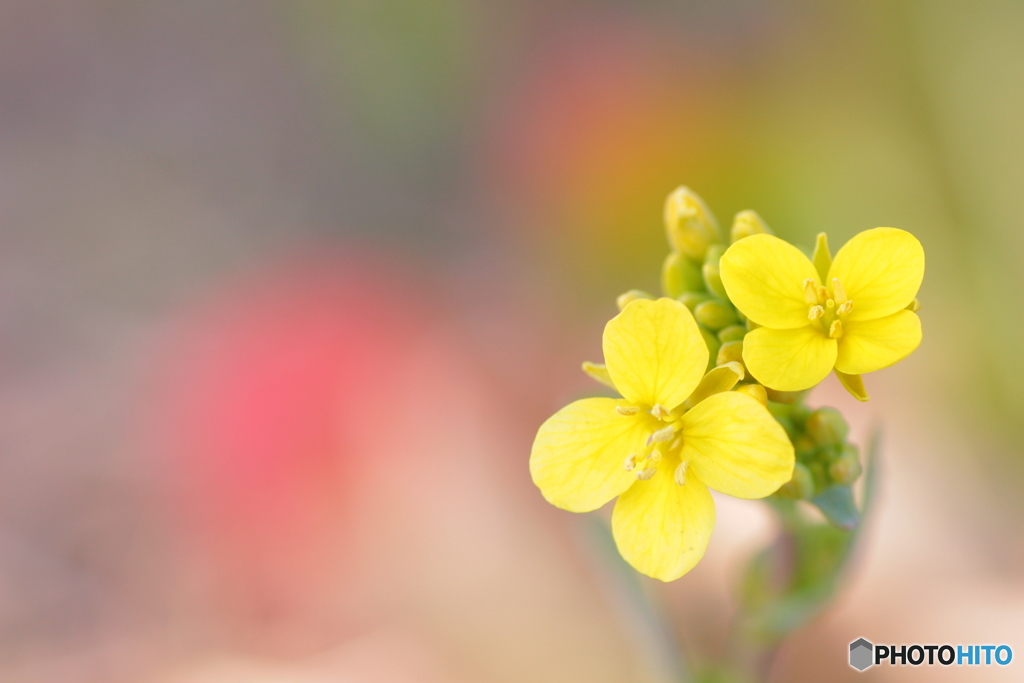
287	288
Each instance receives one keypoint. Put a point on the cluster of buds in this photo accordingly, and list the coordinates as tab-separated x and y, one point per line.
692	273
694	276
824	456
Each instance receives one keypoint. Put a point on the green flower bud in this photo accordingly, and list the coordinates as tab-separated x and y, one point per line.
679	274
732	333
748	223
715	253
801	486
799	414
631	296
690	225
846	468
819	472
712	341
715	315
713	280
827	426
803	445
788	397
692	299
730	352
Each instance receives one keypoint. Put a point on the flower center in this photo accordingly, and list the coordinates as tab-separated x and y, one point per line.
827	306
664	445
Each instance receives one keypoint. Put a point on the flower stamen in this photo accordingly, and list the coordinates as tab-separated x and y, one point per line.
627	410
680	474
838	291
661	412
810	291
662	435
645	474
631	463
815	312
836	329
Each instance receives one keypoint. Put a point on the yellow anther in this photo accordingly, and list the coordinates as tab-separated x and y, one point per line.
845	307
631	463
680	475
838	292
662	435
661	412
645	474
810	291
822	295
836	330
627	410
815	312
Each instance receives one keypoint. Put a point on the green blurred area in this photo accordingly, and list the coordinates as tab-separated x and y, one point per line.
566	125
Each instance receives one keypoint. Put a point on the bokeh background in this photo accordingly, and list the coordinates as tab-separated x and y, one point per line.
286	288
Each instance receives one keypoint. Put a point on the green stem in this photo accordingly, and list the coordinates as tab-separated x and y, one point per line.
650	624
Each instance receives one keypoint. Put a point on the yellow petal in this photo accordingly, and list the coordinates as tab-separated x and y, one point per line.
578	458
654	352
789	360
764	277
881	270
662	528
871	345
735	446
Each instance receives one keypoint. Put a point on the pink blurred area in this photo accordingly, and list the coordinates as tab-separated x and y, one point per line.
343	478
272	397
285	292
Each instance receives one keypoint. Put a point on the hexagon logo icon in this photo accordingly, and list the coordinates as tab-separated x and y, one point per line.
861	654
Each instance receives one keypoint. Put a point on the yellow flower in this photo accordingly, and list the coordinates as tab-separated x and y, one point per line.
659	448
851	314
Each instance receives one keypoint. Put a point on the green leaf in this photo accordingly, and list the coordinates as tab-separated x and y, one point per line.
838	506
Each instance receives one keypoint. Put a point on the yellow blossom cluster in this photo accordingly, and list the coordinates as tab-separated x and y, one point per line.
695	370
